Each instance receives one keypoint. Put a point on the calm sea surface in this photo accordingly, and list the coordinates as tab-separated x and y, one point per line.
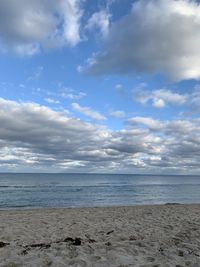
89	190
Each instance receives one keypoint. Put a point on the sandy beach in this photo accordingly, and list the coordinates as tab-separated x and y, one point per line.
159	235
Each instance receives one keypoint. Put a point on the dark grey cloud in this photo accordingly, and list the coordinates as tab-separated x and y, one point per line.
157	37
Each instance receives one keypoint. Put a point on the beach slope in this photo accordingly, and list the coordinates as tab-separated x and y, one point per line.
159	235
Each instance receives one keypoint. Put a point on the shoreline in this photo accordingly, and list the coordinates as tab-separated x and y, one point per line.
141	235
98	207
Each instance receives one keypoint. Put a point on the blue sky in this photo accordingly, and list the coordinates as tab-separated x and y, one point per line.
100	86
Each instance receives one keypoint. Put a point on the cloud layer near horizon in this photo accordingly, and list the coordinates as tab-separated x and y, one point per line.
157	37
39	138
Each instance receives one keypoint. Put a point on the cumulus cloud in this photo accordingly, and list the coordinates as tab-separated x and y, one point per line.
177	140
37	135
101	21
146	121
160	97
157	37
27	26
34	137
87	111
158	103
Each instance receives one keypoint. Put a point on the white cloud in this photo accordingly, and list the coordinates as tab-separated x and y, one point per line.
158	36
27	26
72	15
72	95
158	103
99	20
149	122
52	101
88	112
170	97
160	97
67	93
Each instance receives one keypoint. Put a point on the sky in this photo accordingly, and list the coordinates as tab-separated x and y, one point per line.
100	86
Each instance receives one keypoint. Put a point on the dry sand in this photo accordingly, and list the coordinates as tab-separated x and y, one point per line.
160	235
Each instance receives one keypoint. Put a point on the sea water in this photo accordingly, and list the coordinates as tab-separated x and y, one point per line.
95	190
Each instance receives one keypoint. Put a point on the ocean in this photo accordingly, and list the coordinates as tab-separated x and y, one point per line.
95	190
